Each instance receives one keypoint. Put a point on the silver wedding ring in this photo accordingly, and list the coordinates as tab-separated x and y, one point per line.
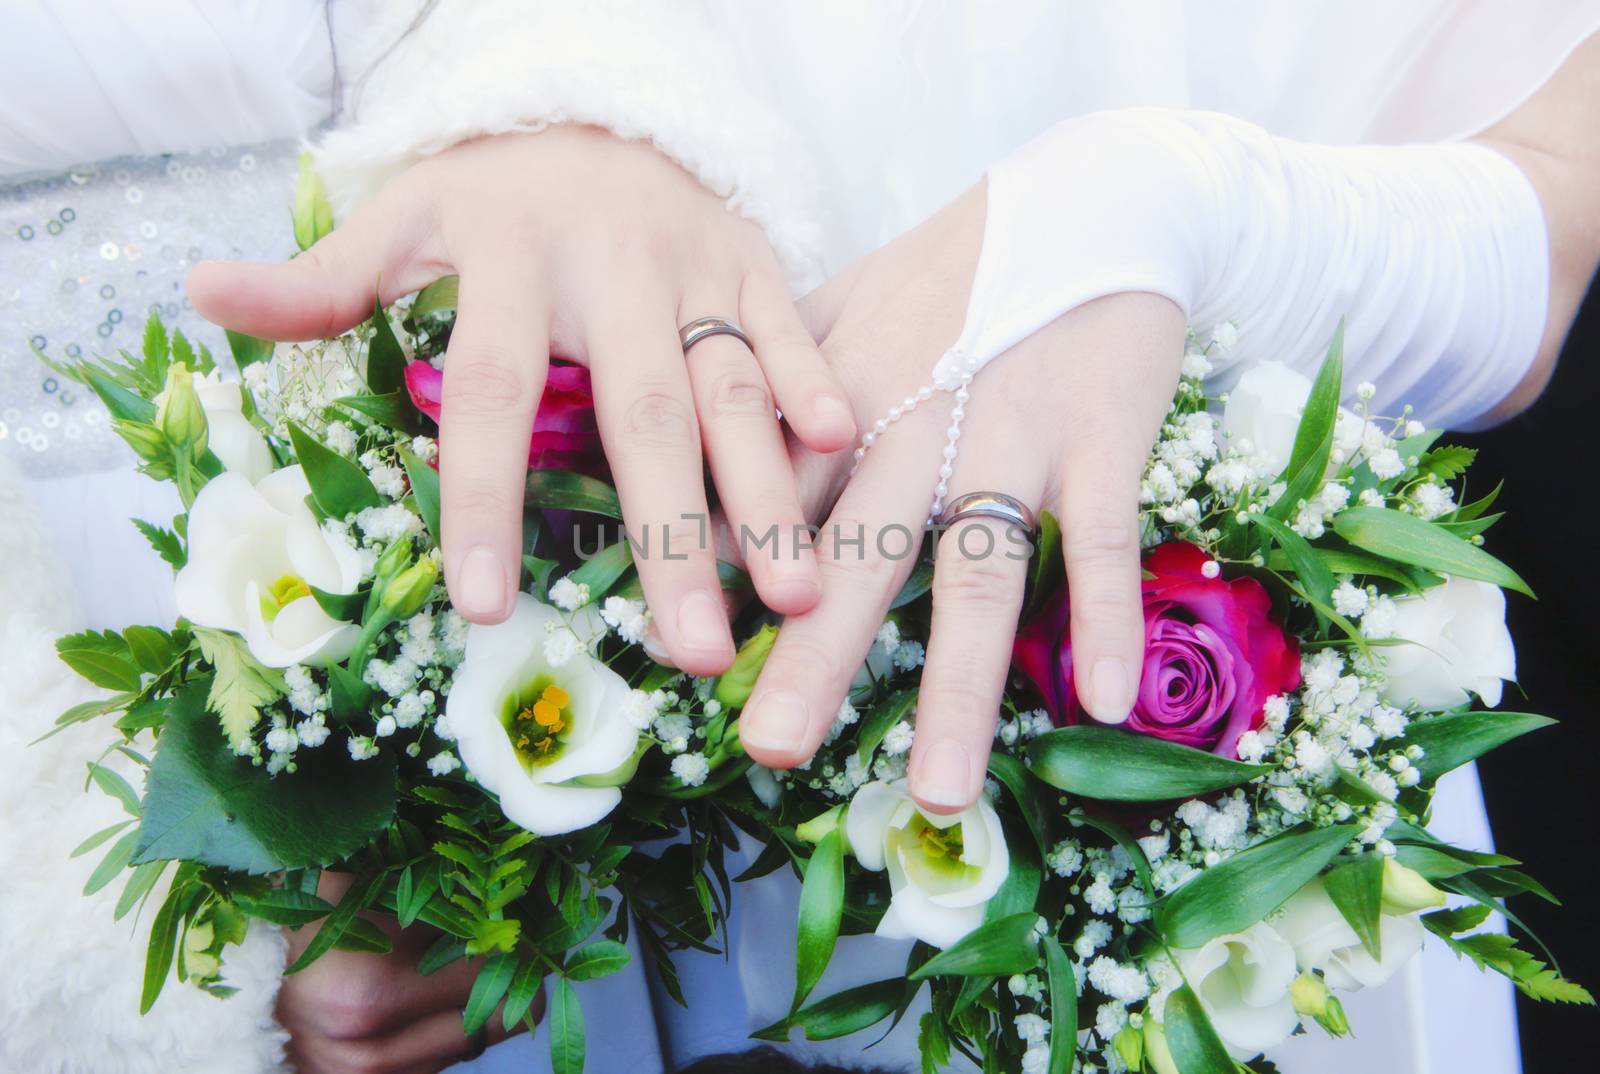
988	505
706	327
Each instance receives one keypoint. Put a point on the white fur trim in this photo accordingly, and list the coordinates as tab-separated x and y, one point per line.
643	70
69	990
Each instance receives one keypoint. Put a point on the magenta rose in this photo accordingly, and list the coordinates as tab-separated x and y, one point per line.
565	434
1212	655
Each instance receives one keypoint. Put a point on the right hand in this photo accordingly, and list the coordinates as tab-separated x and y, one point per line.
573	240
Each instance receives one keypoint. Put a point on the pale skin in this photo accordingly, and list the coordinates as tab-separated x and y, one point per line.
1064	421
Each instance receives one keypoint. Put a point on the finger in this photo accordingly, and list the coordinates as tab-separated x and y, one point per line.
425	1046
810	396
980	571
750	464
388	246
1113	407
649	429
866	549
493	378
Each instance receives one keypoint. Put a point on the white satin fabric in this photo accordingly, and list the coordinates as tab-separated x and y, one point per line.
902	105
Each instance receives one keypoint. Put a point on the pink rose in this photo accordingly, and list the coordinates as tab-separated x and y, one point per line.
1212	655
565	435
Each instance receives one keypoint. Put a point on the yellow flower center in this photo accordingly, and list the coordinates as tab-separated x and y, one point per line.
934	858
538	717
941	843
282	593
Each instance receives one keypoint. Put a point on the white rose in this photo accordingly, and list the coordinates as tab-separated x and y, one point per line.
255	551
551	742
1323	940
1461	646
238	444
1242	981
943	869
1265	406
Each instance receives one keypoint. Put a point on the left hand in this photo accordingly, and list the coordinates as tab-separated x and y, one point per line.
1065	421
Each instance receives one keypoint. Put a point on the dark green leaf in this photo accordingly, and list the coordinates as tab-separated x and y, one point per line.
346	607
599	959
119	401
1195	1046
1046	570
821	905
150	648
1313	573
386	361
163	945
338	486
357	898
1130	846
876	723
1450	741
520	997
1477	508
205	804
440	296
140	881
1110	764
1235	894
394	410
1408	539
566	1029
1009	945
1033	800
424	491
363	937
490	986
1313	440
842	1013
566	491
917	585
1063	1007
1357	890
247	350
287	906
445	950
351	697
601	571
114	862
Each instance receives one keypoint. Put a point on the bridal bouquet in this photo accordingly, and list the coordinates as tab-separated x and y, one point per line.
1182	893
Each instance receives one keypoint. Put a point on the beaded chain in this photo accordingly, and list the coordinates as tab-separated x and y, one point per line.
969	366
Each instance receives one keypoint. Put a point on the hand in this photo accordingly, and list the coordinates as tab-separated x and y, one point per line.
1065	420
573	240
353	1013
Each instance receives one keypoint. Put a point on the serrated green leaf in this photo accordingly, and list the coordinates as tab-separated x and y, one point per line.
239	687
165	542
1408	539
1356	889
102	657
1110	764
338	486
821	907
1447	462
1456	919
566	1029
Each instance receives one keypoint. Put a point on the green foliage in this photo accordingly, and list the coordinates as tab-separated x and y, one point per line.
562	490
239	687
1408	539
338	486
312	215
1063	1006
821	906
490	986
1451	740
1194	1043
1313	440
440	296
1111	764
386	360
1005	946
248	350
393	410
167	544
1356	888
880	718
424	481
840	1014
566	1029
102	657
1499	952
1447	462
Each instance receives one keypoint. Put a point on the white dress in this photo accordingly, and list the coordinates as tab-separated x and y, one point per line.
878	114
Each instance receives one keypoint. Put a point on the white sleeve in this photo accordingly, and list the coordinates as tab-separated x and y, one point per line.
419	81
1436	256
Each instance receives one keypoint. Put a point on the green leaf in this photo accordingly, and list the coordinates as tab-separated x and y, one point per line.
114	862
357	898
394	410
338	486
1130	846
842	1013
1033	802
102	658
98	838
1195	1046
1009	945
1477	508
1047	569
1235	894
347	607
1313	440
821	907
1063	1007
599	959
1447	462
566	491
1110	764
163	945
119	401
117	787
1407	539
240	686
491	984
248	350
520	997
153	650
440	296
1313	573
204	804
140	881
424	491
1457	919
1451	740
165	542
364	937
876	723
1499	952
1357	890
916	586
312	214
287	906
351	697
386	360
566	1029
444	951
601	571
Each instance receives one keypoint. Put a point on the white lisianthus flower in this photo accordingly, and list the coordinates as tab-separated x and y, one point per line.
943	869
255	552
1265	406
1322	939
553	743
1461	646
237	444
1242	981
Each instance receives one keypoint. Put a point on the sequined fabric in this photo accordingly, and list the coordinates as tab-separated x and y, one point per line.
86	255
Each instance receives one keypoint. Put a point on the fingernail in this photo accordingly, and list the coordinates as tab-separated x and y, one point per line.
702	624
480	587
775	721
655	648
944	775
1112	690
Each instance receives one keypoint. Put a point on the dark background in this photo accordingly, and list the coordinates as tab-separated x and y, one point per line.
1542	789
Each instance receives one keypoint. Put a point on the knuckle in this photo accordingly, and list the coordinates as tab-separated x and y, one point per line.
657	418
1099	536
1108	611
813	659
354	1011
486	383
736	393
974	580
474	502
360	1057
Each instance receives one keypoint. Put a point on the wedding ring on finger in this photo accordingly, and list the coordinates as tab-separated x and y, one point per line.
988	505
705	327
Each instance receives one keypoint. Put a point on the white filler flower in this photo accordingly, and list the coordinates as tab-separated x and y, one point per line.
1461	646
1242	981
943	869
255	551
552	742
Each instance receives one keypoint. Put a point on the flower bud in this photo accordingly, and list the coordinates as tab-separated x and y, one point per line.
178	411
145	440
1311	998
409	590
393	560
1405	891
1129	1044
1156	1050
813	830
734	686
